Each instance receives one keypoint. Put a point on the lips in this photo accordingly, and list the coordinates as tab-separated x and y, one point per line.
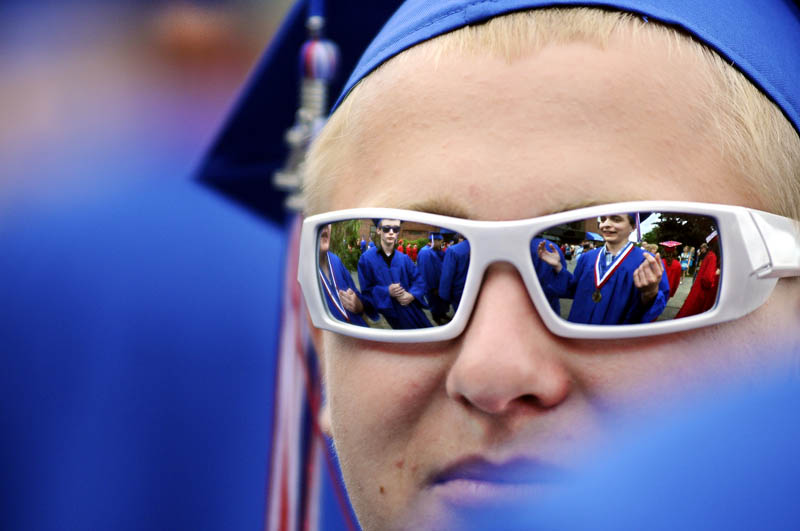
474	481
518	470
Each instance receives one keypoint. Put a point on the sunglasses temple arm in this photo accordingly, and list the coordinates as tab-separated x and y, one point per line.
781	238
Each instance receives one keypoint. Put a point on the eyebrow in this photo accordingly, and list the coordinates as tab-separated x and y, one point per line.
443	207
581	204
447	207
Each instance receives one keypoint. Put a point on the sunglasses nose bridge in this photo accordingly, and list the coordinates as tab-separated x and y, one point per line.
510	244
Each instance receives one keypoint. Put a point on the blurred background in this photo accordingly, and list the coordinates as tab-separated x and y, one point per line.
137	338
94	90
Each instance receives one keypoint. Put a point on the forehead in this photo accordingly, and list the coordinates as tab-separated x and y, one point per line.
388	222
574	124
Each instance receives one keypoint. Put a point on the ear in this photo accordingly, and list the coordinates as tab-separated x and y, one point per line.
324	420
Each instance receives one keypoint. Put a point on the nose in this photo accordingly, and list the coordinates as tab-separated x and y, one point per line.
507	360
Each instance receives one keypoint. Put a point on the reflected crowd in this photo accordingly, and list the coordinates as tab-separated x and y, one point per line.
401	274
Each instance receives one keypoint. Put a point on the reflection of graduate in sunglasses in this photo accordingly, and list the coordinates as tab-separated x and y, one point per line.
390	280
341	294
429	264
703	294
546	272
454	272
613	284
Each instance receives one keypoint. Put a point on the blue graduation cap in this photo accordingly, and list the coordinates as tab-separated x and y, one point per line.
251	145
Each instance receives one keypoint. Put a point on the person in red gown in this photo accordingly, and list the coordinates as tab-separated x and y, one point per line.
704	290
673	268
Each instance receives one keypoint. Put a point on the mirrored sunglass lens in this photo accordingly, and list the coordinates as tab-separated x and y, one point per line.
630	268
378	278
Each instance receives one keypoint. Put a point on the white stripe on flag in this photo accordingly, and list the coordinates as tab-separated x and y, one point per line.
286	467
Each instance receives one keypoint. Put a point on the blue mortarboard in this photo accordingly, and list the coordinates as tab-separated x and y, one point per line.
761	39
436	236
250	146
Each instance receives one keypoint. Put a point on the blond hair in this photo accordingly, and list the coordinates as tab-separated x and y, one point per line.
754	134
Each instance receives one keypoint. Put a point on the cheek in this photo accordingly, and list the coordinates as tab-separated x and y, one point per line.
628	377
382	405
376	394
634	376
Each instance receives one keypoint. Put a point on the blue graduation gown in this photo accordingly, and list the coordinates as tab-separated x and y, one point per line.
125	287
620	303
341	280
546	273
429	263
375	277
454	273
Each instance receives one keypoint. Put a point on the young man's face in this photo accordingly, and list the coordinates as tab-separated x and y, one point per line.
422	429
615	229
324	239
389	229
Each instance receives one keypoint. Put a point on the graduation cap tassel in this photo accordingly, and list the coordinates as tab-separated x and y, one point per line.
296	478
319	58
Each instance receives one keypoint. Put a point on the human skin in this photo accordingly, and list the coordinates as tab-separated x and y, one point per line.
324	243
615	230
571	125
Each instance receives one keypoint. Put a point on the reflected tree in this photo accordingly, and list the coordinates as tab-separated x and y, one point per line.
688	229
344	242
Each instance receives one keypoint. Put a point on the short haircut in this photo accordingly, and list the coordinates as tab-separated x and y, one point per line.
753	132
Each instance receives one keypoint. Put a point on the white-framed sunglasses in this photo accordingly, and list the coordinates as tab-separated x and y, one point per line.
582	268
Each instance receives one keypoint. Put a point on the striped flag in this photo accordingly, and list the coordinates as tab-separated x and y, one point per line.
300	453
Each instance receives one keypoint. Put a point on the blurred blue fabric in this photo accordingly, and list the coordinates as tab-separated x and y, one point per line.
139	326
728	460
